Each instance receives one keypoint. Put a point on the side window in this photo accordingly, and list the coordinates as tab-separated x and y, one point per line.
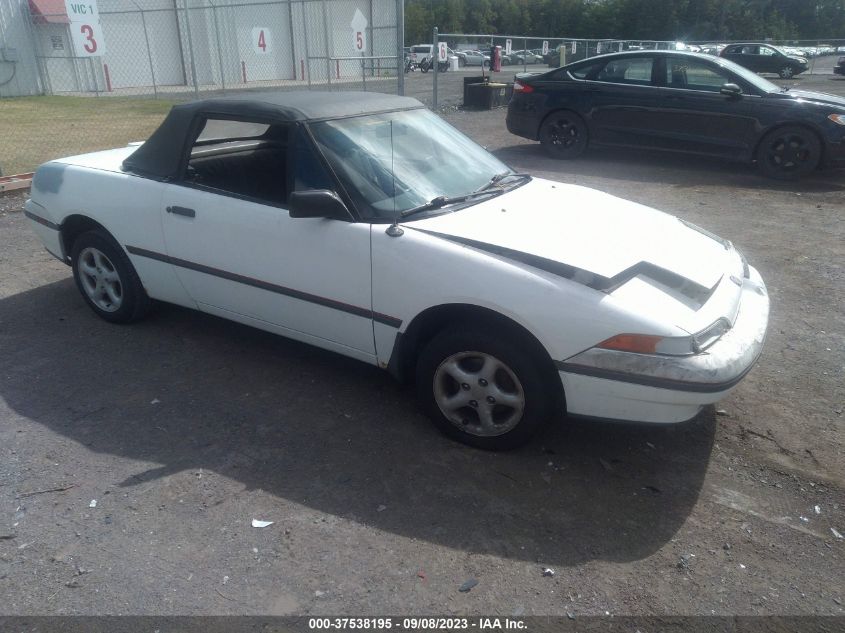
308	170
244	158
635	71
765	50
749	50
585	71
691	74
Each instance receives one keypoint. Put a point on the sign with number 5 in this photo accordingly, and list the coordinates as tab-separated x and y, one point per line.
262	40
359	32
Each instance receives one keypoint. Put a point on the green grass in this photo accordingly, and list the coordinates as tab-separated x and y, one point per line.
37	129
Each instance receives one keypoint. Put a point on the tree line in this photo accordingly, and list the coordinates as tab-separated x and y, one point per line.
680	20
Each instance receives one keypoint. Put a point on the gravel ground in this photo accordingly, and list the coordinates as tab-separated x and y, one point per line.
185	427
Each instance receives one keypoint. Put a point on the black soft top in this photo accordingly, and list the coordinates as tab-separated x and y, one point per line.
160	156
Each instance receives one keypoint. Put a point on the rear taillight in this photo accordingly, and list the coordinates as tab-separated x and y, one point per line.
522	88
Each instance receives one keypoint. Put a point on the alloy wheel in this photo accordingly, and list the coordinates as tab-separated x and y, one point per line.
479	394
789	152
100	279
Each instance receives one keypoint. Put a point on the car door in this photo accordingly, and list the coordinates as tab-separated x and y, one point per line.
240	255
623	102
696	117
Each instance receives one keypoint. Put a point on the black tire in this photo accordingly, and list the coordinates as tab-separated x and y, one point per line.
133	300
564	135
533	385
788	153
787	72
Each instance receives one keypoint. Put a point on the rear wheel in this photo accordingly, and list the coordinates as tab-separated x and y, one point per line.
564	135
482	388
106	278
788	153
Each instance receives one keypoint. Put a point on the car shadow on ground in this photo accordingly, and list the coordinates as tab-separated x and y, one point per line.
317	429
653	166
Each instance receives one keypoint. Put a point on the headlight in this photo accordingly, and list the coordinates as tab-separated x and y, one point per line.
839	119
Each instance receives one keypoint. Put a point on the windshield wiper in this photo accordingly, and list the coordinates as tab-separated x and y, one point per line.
495	180
442	201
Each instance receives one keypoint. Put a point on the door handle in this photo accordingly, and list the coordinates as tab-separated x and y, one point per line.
188	213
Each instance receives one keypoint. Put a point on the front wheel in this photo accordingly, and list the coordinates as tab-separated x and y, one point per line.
106	278
788	153
483	389
787	72
564	135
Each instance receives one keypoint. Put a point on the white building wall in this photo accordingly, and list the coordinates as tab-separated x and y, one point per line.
14	33
153	48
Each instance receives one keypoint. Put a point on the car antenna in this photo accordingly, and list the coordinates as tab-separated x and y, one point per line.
394	230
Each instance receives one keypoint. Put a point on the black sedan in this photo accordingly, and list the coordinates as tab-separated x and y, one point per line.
680	102
765	58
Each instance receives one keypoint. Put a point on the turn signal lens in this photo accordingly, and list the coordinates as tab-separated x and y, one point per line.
648	344
522	88
637	343
837	118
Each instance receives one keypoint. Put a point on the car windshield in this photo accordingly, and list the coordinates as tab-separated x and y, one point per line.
428	157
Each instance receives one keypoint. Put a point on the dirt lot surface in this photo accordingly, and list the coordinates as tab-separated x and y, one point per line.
185	427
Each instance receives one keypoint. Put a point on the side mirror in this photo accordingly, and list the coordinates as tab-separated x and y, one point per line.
319	203
731	90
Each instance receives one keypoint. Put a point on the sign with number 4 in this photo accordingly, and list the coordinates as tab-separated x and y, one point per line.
262	40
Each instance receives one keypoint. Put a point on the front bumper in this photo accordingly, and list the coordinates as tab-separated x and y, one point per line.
48	231
649	388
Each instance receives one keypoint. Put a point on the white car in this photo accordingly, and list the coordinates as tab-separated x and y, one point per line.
366	225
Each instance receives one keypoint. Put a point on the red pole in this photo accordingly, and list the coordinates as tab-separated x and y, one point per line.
243	70
108	77
302	68
337	63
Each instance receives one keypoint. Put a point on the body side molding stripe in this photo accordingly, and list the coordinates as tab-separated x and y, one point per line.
651	381
265	285
585	277
40	220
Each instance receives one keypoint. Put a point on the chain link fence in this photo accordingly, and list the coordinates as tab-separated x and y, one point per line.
471	54
111	76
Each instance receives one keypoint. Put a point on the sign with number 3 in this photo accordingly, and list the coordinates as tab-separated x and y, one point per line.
85	29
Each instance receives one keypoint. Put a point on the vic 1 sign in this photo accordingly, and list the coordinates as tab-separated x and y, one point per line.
85	29
262	40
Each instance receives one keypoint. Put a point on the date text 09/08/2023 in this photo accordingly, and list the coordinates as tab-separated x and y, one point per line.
417	624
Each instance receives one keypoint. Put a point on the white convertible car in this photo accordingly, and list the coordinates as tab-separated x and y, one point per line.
364	224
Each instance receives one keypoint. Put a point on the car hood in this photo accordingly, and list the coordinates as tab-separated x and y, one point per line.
816	97
587	230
